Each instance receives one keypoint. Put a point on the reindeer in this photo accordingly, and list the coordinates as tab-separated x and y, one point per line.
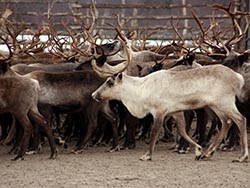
70	92
19	96
178	91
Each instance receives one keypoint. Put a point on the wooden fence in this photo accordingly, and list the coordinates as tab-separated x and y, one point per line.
144	16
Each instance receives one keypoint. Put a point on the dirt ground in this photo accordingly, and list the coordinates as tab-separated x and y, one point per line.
98	168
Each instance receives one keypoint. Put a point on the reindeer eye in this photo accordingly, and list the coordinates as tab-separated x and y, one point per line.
110	83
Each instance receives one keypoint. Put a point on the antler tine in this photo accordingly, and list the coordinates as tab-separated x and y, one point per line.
75	44
204	33
50	6
147	36
241	33
226	10
57	52
119	33
93	12
80	51
129	56
34	45
212	24
176	31
225	47
199	24
69	31
59	43
16	30
231	16
119	29
238	33
13	32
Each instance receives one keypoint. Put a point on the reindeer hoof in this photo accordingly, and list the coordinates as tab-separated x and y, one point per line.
32	152
77	151
21	158
240	160
53	154
128	146
116	148
201	156
183	151
124	148
2	142
197	158
146	157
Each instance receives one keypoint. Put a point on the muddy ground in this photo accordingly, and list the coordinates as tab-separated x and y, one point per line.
98	168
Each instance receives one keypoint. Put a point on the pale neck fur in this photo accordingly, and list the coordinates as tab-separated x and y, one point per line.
135	101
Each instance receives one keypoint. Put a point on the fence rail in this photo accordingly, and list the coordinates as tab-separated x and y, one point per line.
144	16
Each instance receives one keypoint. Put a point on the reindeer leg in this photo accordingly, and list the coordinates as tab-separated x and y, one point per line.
12	133
38	118
27	128
91	127
212	148
158	122
179	118
241	123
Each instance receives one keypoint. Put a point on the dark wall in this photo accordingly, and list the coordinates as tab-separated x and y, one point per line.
143	15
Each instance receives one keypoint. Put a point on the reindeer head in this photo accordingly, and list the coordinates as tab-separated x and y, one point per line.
107	48
186	59
108	87
235	61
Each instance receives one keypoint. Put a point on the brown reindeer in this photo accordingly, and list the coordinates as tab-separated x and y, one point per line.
19	96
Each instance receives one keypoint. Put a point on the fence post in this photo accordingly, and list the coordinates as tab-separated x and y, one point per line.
247	43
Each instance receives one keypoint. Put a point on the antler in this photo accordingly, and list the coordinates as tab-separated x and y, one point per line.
204	39
176	31
77	46
93	12
238	34
108	70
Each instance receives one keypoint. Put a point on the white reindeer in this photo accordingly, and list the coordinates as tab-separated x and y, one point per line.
170	92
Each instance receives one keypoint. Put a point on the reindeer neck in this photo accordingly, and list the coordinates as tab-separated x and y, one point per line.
132	96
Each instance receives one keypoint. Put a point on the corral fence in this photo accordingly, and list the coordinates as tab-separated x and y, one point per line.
146	17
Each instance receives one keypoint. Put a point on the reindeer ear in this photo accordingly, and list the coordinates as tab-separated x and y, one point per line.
120	76
243	57
157	66
3	67
117	42
114	76
139	67
191	58
117	76
101	60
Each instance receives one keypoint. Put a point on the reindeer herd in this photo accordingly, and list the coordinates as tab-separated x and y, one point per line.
95	93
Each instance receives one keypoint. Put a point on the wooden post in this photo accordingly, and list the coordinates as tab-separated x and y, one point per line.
247	43
243	44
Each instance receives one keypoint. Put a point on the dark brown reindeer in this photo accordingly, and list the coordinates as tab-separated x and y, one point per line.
70	92
238	63
19	96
